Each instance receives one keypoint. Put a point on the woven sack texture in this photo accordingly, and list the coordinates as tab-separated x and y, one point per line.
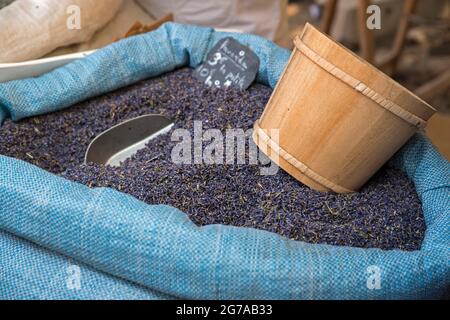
125	246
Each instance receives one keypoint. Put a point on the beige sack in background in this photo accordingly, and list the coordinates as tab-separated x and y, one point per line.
128	14
29	29
266	18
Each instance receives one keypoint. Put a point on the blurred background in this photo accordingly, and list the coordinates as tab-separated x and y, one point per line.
412	44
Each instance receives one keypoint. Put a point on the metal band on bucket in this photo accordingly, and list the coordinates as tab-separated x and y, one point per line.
359	86
296	163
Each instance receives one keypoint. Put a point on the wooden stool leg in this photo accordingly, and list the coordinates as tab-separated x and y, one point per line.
366	39
328	16
389	65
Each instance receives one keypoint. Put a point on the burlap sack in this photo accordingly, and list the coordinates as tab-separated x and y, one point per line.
157	247
29	29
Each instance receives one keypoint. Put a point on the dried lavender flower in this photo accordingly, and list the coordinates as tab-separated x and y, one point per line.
386	213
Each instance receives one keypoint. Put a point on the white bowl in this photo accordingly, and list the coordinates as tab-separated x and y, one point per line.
34	68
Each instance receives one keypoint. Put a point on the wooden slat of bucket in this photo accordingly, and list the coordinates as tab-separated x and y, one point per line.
360	86
355	66
321	134
263	138
332	129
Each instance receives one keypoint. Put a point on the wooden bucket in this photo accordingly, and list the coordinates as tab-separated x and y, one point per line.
339	119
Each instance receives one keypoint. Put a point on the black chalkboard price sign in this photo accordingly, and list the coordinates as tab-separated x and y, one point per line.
228	64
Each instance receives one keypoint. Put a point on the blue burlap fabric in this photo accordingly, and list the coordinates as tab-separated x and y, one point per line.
125	248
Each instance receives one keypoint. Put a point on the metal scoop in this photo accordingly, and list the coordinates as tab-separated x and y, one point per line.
122	141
